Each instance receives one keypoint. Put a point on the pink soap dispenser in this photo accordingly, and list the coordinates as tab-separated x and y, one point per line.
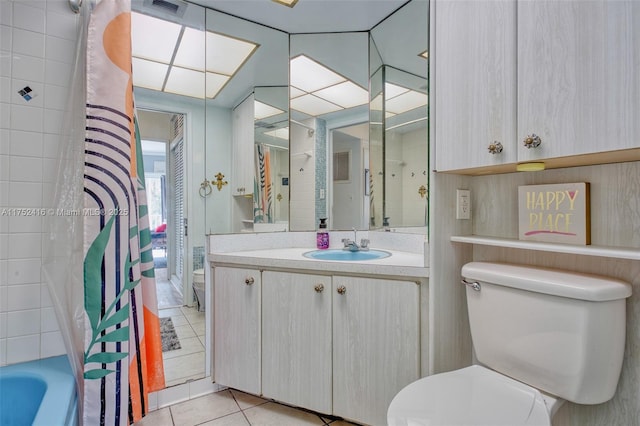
322	237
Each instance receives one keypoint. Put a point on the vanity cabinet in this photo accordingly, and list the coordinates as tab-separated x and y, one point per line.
296	339
376	345
563	71
237	328
242	173
342	345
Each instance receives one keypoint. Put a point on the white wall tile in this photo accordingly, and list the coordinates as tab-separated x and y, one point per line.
58	73
27	144
24	271
3	325
26	118
28	43
25	194
48	320
55	97
22	323
5	89
36	96
5	141
51	344
5	167
45	296
53	121
22	349
6	13
51	145
28	18
6	38
60	49
3	278
4	191
25	246
25	224
5	115
27	67
26	169
3	352
62	25
4	244
24	296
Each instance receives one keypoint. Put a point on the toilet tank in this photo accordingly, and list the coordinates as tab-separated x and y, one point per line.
560	332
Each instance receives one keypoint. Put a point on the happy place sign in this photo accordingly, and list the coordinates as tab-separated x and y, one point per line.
557	213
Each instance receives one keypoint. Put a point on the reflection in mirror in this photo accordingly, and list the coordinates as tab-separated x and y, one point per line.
271	191
399	94
169	89
328	91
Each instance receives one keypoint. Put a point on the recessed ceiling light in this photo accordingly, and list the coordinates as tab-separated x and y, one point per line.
263	110
288	3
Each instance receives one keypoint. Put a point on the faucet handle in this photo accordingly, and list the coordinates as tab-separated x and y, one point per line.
364	243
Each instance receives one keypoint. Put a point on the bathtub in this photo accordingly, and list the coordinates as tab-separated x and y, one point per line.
41	392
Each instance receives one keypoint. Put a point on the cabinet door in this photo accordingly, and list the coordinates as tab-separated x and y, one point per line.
578	88
296	339
375	345
474	83
243	148
237	328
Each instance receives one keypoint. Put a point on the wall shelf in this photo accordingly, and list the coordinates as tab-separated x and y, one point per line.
600	251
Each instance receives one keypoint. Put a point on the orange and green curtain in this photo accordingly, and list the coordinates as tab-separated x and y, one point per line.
123	350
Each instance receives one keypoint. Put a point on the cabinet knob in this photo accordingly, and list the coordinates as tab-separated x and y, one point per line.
319	288
532	141
495	147
341	290
249	280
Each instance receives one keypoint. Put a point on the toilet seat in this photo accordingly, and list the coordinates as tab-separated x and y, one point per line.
470	396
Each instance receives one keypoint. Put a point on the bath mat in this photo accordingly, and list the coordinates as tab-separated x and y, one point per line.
169	337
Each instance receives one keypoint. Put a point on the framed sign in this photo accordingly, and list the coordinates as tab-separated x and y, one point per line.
556	213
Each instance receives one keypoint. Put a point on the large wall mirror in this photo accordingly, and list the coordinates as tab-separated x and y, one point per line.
252	126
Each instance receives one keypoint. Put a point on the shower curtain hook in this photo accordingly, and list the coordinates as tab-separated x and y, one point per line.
75	5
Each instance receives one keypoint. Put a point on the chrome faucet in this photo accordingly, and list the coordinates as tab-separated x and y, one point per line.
352	245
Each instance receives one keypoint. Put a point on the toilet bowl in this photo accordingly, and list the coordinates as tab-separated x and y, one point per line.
541	336
473	395
198	288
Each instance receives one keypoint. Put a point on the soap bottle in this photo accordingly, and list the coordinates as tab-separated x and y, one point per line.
322	237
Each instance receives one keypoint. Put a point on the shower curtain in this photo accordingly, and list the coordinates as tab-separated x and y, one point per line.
107	309
263	194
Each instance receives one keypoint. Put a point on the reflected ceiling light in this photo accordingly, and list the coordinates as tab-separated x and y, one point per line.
399	99
317	90
165	54
289	3
263	110
279	133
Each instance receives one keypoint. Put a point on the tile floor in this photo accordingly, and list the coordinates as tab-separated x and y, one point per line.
186	363
234	408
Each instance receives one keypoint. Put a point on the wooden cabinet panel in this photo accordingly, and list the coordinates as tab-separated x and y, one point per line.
237	298
475	83
376	345
296	339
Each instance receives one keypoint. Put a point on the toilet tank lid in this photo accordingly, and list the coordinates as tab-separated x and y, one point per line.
574	285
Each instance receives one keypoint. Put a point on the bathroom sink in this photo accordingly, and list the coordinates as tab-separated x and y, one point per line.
346	255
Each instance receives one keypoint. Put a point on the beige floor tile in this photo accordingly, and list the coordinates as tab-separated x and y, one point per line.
161	417
246	400
184	331
198	328
184	366
236	419
187	346
179	320
272	414
204	409
170	312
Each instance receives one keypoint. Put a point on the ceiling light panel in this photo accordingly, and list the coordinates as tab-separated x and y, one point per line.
215	83
263	110
392	90
279	133
189	54
153	38
148	74
346	94
309	75
406	102
182	81
312	105
225	55
288	3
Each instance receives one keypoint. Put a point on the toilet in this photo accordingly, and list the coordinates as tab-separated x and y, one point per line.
541	337
198	288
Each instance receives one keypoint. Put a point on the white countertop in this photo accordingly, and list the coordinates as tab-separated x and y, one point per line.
399	264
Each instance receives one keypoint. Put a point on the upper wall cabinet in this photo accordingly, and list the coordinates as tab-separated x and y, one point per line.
558	73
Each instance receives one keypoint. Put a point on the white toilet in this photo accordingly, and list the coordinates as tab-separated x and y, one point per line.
542	336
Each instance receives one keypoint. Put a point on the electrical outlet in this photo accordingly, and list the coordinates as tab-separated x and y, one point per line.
322	193
463	204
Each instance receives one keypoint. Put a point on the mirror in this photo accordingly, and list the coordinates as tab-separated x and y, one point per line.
329	109
399	119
